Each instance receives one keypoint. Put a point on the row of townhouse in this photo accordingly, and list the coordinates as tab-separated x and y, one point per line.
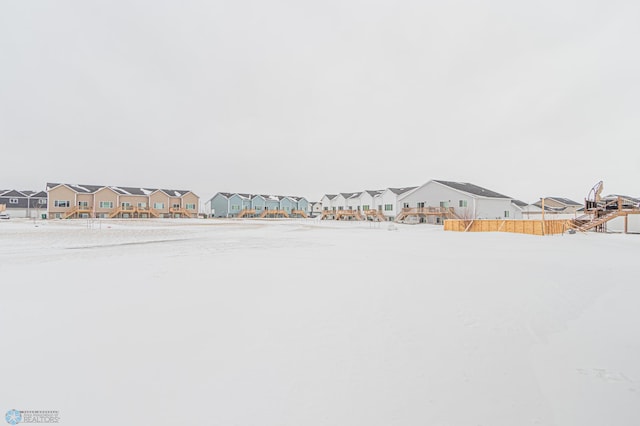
95	201
384	201
228	204
432	202
27	204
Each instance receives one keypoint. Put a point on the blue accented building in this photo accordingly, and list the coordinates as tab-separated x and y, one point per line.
228	204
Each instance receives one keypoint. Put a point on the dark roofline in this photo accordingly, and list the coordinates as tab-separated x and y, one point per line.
472	189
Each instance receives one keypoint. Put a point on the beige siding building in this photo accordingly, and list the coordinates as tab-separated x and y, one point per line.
67	201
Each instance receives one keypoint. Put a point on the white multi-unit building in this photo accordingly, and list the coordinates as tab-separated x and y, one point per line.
389	201
364	200
327	202
315	208
385	201
467	200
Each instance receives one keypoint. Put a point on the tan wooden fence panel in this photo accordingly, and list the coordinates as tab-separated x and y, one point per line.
531	227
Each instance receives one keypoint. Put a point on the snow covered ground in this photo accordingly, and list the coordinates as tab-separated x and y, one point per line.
215	322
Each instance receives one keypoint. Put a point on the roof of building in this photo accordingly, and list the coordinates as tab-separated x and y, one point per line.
472	189
22	194
374	192
330	196
565	201
400	191
624	197
13	193
519	203
348	194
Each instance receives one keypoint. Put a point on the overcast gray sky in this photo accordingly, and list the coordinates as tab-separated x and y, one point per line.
309	97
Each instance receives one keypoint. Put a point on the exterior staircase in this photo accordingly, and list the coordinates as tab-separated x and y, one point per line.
346	214
182	212
246	212
327	213
300	213
586	222
375	215
274	213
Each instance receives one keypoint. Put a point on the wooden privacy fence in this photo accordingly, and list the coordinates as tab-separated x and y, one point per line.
531	227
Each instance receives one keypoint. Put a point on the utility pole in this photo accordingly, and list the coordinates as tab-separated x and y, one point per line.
543	230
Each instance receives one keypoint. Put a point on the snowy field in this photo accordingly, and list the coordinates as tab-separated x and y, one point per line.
272	323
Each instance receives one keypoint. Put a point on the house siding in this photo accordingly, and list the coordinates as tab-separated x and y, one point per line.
105	195
60	193
258	204
220	205
433	193
303	205
287	204
236	204
191	198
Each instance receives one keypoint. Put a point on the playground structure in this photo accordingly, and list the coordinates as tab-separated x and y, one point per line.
598	211
422	214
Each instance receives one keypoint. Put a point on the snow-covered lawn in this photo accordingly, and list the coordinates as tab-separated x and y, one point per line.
213	322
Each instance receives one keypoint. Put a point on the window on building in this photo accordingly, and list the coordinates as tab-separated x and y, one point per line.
462	203
61	203
142	205
379	207
42	201
506	213
13	201
405	205
158	206
175	205
83	204
421	205
106	204
190	206
365	207
444	204
388	207
325	208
